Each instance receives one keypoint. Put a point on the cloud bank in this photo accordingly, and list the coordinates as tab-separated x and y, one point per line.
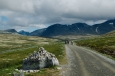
33	14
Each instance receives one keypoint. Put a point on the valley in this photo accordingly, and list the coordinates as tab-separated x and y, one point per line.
15	47
57	38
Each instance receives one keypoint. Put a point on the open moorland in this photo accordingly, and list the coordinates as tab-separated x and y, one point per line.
74	37
104	44
14	48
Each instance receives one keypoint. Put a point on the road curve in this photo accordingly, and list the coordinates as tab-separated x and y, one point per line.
83	62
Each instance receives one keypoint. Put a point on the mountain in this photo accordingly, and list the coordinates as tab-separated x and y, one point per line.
37	32
104	27
79	29
75	29
22	32
8	31
11	30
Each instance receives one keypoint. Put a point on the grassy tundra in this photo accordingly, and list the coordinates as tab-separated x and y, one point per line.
14	48
105	44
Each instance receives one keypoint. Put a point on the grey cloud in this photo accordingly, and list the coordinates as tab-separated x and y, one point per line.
23	13
17	5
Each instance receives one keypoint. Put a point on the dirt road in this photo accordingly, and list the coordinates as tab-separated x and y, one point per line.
83	62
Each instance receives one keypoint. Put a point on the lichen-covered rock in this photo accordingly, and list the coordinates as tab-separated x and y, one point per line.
40	59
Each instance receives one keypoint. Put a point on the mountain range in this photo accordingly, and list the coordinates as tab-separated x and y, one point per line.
73	29
76	29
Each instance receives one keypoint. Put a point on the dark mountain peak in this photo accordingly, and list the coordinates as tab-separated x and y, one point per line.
55	26
80	25
108	21
22	32
37	32
8	31
11	30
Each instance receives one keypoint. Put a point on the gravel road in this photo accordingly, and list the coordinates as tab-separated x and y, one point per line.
83	62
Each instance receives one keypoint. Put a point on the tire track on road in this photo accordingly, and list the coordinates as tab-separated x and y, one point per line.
106	68
82	65
83	62
104	63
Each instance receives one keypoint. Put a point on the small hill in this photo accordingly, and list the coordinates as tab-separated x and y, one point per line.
8	31
112	33
11	30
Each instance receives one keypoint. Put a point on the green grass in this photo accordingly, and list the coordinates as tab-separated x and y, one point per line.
14	48
56	49
105	45
12	60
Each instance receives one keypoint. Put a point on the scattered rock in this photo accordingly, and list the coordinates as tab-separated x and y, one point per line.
59	68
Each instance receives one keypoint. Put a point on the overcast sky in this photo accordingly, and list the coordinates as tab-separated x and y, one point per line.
35	14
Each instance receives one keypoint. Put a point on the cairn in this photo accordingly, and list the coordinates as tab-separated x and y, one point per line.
40	59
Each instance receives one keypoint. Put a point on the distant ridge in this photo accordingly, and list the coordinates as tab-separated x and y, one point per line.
79	29
8	31
73	29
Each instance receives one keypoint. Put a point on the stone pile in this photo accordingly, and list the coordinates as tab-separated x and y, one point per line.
40	59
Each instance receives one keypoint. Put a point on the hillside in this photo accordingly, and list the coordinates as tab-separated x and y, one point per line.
102	44
112	33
